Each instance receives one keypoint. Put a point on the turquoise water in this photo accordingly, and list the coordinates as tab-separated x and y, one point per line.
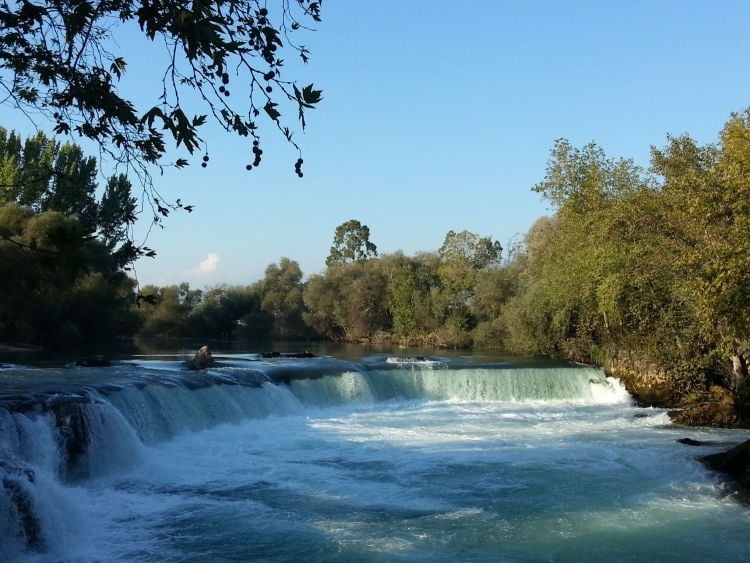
320	460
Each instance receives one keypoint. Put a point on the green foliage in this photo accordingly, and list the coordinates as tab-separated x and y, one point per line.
60	60
41	174
491	334
404	295
715	196
61	287
117	211
324	310
280	292
602	269
413	288
349	302
73	186
581	180
655	265
470	249
494	286
26	168
167	309
351	243
269	308
230	312
462	256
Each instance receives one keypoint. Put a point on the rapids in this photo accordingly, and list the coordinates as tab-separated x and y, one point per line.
328	460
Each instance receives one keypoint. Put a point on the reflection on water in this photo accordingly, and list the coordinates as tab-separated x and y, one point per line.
162	347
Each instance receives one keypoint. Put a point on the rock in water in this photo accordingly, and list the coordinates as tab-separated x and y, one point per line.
293	355
304	354
691	442
98	361
202	359
15	482
735	462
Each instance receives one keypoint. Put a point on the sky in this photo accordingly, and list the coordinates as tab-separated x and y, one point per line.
441	116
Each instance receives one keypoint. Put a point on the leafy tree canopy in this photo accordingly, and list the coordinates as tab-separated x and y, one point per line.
710	185
478	252
44	175
351	243
60	287
60	60
584	178
281	298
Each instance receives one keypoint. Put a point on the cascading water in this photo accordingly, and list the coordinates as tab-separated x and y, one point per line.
324	460
581	384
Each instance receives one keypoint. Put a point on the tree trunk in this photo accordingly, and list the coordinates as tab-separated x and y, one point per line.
739	371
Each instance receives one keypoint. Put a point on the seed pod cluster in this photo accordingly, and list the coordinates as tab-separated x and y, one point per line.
257	152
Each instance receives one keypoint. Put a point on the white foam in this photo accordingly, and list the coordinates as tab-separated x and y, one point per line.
342	468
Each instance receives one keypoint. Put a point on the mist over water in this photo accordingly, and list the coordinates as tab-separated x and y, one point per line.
325	460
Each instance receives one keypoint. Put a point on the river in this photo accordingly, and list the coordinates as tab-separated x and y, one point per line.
359	459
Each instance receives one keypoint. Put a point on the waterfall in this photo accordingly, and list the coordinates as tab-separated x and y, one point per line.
57	435
581	384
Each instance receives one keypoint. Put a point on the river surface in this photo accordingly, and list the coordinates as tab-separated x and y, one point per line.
357	459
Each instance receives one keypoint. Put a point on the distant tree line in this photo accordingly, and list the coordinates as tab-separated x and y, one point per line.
271	308
431	299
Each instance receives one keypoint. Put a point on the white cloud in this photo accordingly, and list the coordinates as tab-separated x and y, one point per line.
207	266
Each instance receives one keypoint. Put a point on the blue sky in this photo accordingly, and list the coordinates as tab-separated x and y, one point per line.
440	115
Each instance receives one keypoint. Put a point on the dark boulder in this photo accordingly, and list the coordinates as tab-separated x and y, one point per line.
15	482
72	428
735	463
202	359
691	442
304	354
98	361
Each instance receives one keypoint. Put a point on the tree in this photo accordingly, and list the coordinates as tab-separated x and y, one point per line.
43	175
710	186
628	264
230	311
412	288
351	243
117	211
73	186
281	298
404	294
60	60
26	168
462	256
581	179
349	302
60	287
475	251
167	309
494	286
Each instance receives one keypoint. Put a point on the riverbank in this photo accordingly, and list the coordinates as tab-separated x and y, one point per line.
10	348
696	404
